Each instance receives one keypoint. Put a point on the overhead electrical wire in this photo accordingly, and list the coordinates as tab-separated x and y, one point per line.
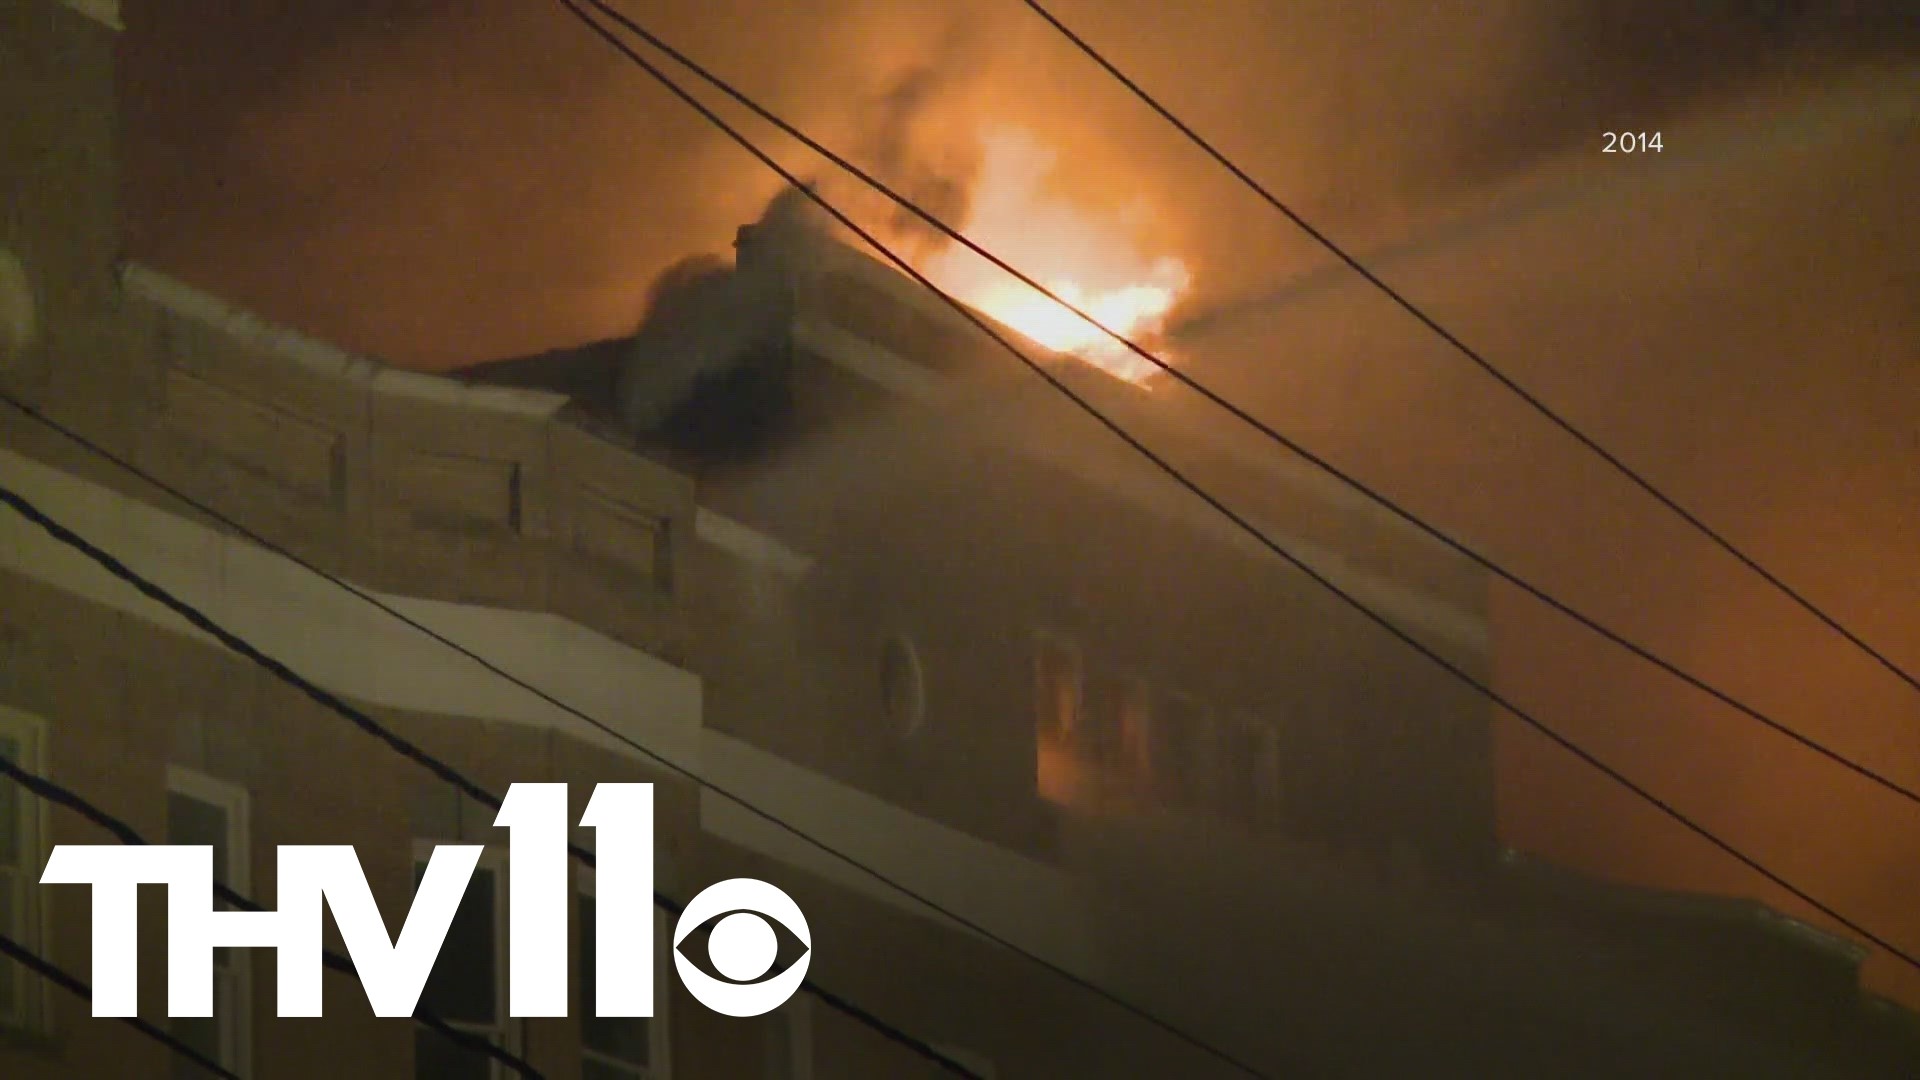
1379	498
1533	400
1253	531
461	783
400	744
48	791
72	984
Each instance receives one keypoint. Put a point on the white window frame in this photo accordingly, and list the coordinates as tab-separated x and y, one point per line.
660	1033
35	1012
232	984
505	1032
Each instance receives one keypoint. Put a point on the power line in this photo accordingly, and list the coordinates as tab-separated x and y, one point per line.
1499	376
51	792
200	621
1243	415
1253	531
402	748
72	984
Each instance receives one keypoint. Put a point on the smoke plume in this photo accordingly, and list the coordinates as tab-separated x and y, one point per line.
907	147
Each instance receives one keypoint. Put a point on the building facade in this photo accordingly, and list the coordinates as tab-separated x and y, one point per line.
487	517
926	616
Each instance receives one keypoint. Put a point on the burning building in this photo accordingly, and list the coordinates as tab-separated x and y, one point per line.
812	537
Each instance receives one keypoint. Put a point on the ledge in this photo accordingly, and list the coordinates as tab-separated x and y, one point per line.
346	645
435	390
104	12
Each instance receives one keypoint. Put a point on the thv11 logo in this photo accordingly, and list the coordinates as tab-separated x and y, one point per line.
742	946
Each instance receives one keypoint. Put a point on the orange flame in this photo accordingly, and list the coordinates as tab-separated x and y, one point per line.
1088	263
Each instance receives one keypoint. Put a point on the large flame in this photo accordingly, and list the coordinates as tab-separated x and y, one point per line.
1091	264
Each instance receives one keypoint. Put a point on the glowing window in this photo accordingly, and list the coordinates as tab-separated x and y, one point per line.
1059	689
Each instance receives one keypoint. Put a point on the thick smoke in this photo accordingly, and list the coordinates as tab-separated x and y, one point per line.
706	368
903	145
709	331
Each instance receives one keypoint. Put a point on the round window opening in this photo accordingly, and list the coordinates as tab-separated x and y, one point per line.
902	685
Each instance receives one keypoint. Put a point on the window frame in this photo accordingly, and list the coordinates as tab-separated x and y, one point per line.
660	1030
34	920
505	1031
1063	732
234	802
1183	778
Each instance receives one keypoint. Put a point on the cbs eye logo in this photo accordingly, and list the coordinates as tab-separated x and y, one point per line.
742	917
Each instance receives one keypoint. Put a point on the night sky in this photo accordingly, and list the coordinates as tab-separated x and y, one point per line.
443	183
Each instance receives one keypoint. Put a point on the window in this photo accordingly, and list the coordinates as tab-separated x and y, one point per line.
1059	691
204	812
467	988
23	846
1114	721
621	1048
1248	772
902	685
1182	748
790	1040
